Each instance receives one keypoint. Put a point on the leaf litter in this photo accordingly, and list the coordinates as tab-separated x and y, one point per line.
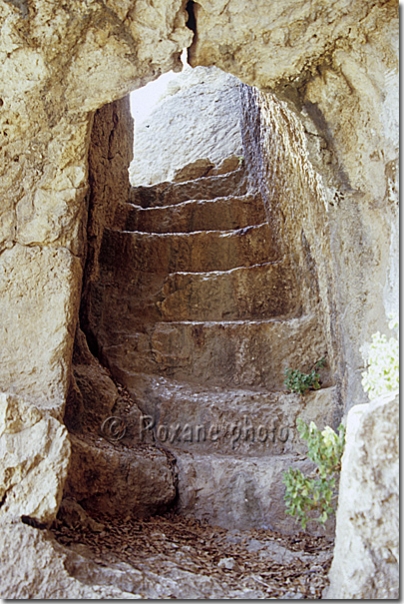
254	564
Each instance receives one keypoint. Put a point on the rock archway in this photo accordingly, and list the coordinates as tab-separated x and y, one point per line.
334	67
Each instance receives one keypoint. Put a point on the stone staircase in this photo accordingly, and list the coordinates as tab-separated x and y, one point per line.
198	316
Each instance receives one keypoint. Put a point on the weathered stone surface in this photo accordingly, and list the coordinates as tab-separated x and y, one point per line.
115	480
75	517
110	153
285	39
366	558
257	292
280	554
46	104
93	394
37	286
336	64
323	144
237	353
237	492
226	323
34	456
356	102
204	167
227	421
223	213
265	290
98	390
193	252
208	187
197	169
34	566
193	128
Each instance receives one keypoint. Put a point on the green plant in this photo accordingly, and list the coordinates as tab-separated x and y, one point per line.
240	159
297	381
306	495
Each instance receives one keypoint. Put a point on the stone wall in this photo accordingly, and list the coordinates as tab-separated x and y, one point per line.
110	153
345	80
59	64
342	85
295	199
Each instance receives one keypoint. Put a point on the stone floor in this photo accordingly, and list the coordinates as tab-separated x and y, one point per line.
171	557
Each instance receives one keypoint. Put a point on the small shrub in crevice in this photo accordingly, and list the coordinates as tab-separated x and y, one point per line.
312	497
297	381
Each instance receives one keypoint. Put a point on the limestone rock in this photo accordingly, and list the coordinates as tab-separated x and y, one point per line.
280	554
111	151
38	305
98	390
238	492
209	188
114	480
365	564
197	169
346	105
204	167
197	119
126	46
264	46
47	105
34	454
334	168
34	566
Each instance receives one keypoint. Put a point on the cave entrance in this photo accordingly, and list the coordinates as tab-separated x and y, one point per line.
205	291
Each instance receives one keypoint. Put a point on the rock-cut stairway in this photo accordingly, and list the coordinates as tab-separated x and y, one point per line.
198	315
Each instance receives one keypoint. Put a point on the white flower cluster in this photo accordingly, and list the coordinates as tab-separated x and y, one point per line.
330	438
382	358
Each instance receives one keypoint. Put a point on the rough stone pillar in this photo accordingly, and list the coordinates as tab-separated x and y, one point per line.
365	564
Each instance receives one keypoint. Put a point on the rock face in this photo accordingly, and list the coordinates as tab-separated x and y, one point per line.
121	481
366	554
34	455
285	38
34	566
114	470
37	284
345	102
47	107
197	119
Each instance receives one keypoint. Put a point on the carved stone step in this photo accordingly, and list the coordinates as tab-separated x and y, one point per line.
257	292
234	354
124	252
225	421
237	492
224	213
209	187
